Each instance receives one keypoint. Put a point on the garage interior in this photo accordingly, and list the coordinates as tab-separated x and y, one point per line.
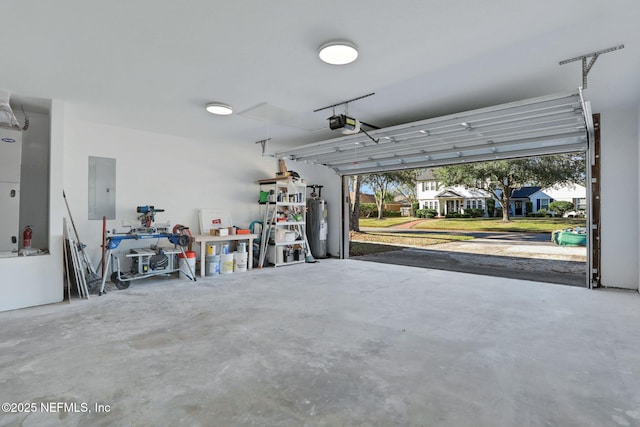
337	342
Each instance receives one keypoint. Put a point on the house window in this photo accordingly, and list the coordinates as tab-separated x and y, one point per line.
544	204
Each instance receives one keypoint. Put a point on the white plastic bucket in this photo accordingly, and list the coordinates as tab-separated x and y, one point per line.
212	267
280	235
239	261
226	263
184	264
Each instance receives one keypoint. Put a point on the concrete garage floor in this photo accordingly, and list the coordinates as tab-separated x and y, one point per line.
337	343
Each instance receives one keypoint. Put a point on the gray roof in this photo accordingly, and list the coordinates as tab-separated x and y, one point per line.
523	192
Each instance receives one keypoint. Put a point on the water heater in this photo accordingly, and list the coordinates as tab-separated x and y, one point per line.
317	224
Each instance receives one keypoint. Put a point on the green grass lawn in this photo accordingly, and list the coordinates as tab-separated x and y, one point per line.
380	241
526	225
417	236
385	222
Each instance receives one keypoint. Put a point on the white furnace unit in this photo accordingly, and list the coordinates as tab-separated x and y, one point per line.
10	161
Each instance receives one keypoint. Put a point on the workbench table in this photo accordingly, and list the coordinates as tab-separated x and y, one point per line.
203	239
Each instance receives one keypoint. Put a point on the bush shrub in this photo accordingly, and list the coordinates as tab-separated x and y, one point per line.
426	213
368	210
458	215
474	212
528	207
561	207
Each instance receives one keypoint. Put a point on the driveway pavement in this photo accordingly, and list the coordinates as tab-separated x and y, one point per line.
527	256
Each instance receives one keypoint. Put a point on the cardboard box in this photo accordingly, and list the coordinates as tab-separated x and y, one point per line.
219	232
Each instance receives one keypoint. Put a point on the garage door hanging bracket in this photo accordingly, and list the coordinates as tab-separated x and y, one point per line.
586	66
263	143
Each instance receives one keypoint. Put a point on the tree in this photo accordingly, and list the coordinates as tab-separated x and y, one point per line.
354	208
560	206
409	190
382	183
501	177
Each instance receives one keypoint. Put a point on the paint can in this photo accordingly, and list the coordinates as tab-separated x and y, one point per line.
211	250
212	267
239	262
242	247
226	263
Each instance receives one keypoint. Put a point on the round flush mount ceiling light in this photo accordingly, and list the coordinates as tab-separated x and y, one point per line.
219	108
338	52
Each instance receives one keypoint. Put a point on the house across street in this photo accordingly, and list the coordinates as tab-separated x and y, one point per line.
431	194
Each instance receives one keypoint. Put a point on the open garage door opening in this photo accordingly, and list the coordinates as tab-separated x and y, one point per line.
502	219
558	124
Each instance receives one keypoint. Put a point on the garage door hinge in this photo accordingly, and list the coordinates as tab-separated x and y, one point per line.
594	226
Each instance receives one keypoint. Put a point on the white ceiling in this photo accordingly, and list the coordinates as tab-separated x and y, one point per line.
154	64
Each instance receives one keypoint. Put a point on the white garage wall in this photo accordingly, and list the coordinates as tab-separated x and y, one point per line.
177	174
620	198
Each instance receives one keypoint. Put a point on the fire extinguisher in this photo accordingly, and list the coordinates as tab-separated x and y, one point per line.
26	236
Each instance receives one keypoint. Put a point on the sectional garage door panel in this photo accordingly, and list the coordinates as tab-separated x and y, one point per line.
547	125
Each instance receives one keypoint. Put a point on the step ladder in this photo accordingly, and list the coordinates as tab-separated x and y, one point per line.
267	225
